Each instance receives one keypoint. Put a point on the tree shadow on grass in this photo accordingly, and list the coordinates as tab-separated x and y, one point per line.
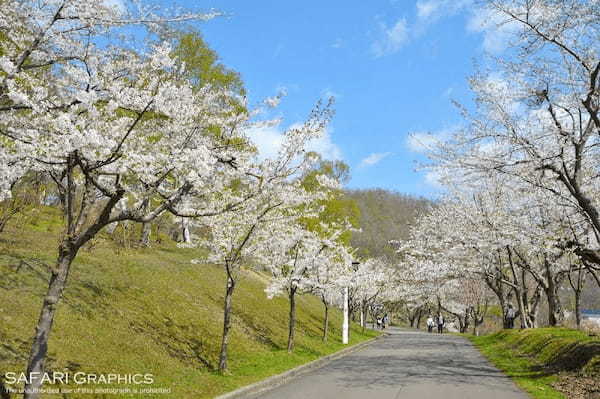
574	356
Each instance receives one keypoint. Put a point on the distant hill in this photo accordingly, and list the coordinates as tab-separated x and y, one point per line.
385	215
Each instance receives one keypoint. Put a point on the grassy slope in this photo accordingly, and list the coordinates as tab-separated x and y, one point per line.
150	311
535	358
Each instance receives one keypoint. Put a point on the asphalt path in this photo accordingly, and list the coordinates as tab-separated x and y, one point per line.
404	364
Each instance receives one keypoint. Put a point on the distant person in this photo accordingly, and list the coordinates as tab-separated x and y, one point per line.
430	323
386	321
510	317
379	322
440	323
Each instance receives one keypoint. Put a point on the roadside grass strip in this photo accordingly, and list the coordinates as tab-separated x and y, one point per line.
547	362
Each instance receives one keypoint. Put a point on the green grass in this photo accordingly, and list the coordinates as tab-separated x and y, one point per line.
150	311
534	358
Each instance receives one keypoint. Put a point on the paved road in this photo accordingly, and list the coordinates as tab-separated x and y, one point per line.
405	364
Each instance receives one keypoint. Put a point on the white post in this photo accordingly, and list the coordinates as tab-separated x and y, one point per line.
185	224
362	316
345	325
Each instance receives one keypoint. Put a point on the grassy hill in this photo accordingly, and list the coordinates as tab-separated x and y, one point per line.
149	311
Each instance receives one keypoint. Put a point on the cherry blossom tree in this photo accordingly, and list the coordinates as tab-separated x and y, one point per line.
500	236
369	283
293	258
303	260
332	269
536	118
270	199
122	134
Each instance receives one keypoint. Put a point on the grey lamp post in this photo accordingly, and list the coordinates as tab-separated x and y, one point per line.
355	265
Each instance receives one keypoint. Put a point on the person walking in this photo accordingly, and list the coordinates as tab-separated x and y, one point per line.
510	317
379	323
440	323
430	323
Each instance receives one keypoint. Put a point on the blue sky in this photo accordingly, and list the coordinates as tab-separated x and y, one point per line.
393	66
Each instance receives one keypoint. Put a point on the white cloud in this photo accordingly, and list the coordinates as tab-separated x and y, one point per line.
426	8
328	93
423	141
118	5
374	159
391	38
326	147
496	31
448	92
433	178
268	140
432	10
338	43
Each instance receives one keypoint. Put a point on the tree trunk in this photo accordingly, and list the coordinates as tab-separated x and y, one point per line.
145	237
292	321
577	288
419	315
503	306
3	223
412	317
326	321
521	305
466	322
146	227
578	308
226	324
534	307
39	348
555	313
494	282
462	323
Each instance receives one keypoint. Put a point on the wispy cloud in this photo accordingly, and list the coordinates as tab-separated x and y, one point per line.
432	10
328	93
496	31
422	142
426	8
338	43
434	178
374	159
390	38
278	50
118	5
268	139
448	92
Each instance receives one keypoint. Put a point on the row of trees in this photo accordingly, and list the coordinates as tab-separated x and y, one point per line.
522	214
115	135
